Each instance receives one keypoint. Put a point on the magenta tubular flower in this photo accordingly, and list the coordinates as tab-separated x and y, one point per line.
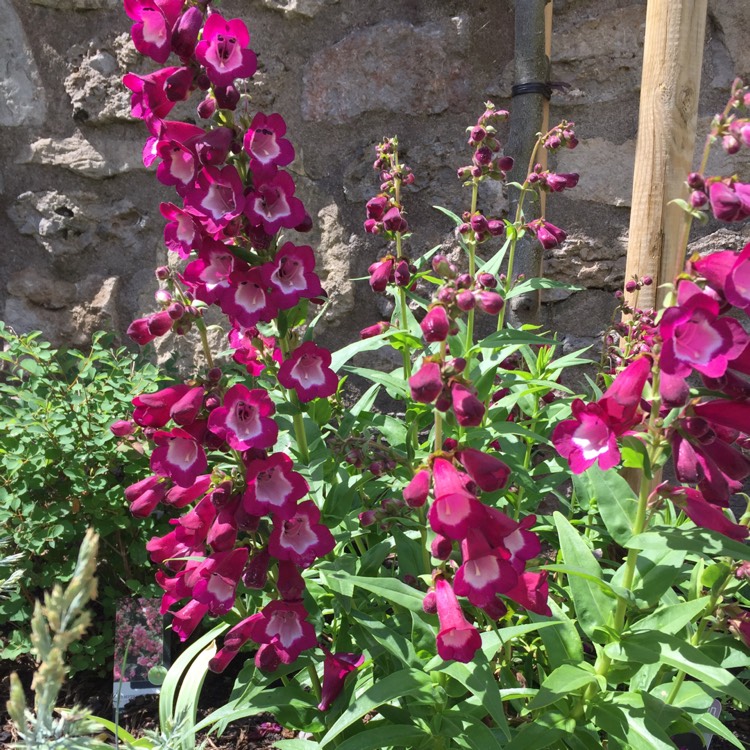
335	669
488	472
621	400
376	207
209	277
415	493
145	495
153	409
393	220
244	420
222	50
187	619
484	573
732	414
729	203
219	575
179	497
152	32
301	539
292	275
503	532
469	410
182	232
144	330
185	33
308	372
586	439
290	583
457	639
179	456
222	535
217	195
149	98
272	204
729	273
255	575
247	300
185	410
435	325
427	383
265	144
454	514
178	165
532	593
284	625
695	337
381	273
703	513
273	486
548	234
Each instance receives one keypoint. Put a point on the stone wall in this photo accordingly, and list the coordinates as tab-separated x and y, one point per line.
79	220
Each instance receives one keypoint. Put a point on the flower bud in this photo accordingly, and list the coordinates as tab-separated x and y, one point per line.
227	97
695	181
487	280
465	300
122	428
374	330
441	547
630	286
505	163
496	227
435	325
489	302
427	383
477	135
162	273
176	310
415	493
429	603
482	156
368	518
162	296
185	33
464	281
207	108
698	199
401	273
177	86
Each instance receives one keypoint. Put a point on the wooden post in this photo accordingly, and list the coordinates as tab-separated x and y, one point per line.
670	83
529	116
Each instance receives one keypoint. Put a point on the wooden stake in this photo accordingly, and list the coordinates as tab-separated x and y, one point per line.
670	83
529	116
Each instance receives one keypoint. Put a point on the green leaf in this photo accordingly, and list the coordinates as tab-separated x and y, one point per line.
512	336
560	683
396	386
389	588
456	219
480	736
629	721
712	724
616	501
478	679
562	644
390	688
178	669
531	285
593	607
672	618
646	648
375	737
296	744
342	356
544	731
655	572
373	628
702	542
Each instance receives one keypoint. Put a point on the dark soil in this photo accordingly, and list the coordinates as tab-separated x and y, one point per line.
142	713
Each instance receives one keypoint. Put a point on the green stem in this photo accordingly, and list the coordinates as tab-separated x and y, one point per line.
471	247
314	680
299	432
204	342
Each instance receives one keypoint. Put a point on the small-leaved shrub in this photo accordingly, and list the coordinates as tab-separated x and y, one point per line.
62	471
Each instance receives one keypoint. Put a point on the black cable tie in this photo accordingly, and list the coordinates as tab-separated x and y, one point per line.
538	87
